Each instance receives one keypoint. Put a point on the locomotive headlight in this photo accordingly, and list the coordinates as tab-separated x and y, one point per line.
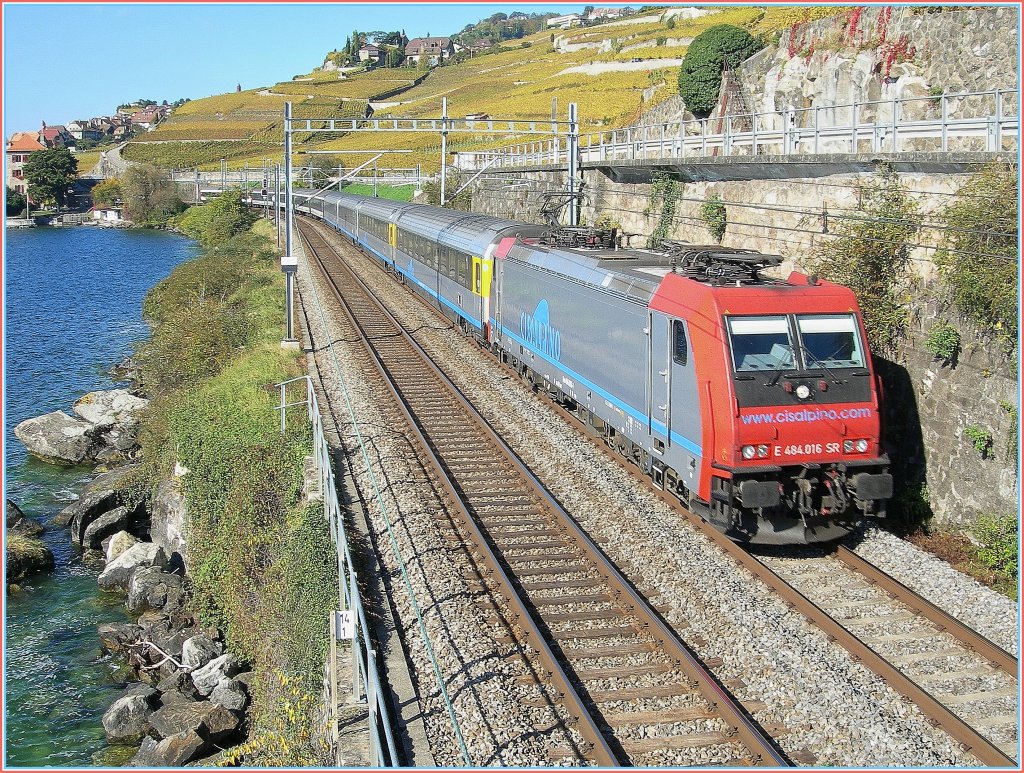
762	451
862	446
847	446
748	452
803	391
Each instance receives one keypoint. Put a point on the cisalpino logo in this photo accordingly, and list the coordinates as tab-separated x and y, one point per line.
537	331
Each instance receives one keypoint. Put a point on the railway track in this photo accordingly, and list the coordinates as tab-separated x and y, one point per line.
960	679
633	688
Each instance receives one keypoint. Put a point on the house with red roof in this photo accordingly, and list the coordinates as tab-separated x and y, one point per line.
19	148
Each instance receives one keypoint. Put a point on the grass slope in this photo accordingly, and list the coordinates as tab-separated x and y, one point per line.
520	81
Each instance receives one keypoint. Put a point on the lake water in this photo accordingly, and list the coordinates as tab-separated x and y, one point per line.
73	300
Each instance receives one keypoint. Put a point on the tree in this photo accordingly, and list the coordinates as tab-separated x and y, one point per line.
979	258
324	168
871	256
700	77
13	202
423	63
394	57
149	196
217	221
50	174
106	193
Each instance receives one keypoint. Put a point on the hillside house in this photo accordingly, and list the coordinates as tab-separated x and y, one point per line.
85	130
604	13
564	22
20	147
145	119
435	49
55	136
480	45
371	53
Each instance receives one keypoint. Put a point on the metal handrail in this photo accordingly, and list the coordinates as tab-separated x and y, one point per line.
791	131
365	678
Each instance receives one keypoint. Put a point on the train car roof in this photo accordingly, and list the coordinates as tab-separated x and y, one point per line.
466	231
629	273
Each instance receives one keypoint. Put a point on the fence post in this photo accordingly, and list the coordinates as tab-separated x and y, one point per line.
753	133
895	108
817	130
355	649
283	403
727	139
703	136
998	128
855	118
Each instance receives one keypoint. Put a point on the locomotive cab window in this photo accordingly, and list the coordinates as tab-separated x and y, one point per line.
830	341
679	351
760	343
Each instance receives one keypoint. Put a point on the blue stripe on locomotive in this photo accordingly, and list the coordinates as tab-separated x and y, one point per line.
579	309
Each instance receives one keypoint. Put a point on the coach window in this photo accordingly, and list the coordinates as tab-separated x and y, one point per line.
463	269
679	350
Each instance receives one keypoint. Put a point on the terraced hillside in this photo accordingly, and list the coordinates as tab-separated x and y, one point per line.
613	71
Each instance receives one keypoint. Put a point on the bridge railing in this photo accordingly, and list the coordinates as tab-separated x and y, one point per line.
970	121
366	685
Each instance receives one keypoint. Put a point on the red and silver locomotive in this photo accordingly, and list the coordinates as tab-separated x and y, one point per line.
751	399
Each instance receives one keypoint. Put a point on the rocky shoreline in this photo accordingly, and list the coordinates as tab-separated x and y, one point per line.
186	696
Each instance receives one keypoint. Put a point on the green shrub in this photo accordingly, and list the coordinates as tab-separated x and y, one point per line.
998	538
700	77
943	341
712	212
980	438
665	193
871	256
979	258
219	220
1012	439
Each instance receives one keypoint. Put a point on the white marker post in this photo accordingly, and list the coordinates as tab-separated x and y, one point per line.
289	265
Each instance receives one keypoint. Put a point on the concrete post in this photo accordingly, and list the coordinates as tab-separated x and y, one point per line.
289	264
277	203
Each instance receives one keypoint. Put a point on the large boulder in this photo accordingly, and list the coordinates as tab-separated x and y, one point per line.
171	752
18	523
210	721
229	693
26	555
118	544
199	650
58	438
106	525
177	688
107	408
118	573
209	676
127	719
102	494
167	520
153	588
115	637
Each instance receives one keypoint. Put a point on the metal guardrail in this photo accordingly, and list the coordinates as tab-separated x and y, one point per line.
366	685
985	120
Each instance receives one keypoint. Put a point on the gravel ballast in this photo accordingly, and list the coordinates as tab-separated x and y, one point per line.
832	707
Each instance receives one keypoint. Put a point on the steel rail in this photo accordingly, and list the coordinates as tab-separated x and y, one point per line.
967	636
969	739
573	702
762	748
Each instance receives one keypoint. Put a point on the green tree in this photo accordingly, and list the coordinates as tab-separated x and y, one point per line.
14	202
979	258
423	63
106	193
700	77
452	183
50	174
324	168
872	258
219	220
149	196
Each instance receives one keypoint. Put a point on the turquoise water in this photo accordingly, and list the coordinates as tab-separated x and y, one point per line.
73	299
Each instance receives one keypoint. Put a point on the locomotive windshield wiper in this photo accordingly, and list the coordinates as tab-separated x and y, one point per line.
808	353
783	366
